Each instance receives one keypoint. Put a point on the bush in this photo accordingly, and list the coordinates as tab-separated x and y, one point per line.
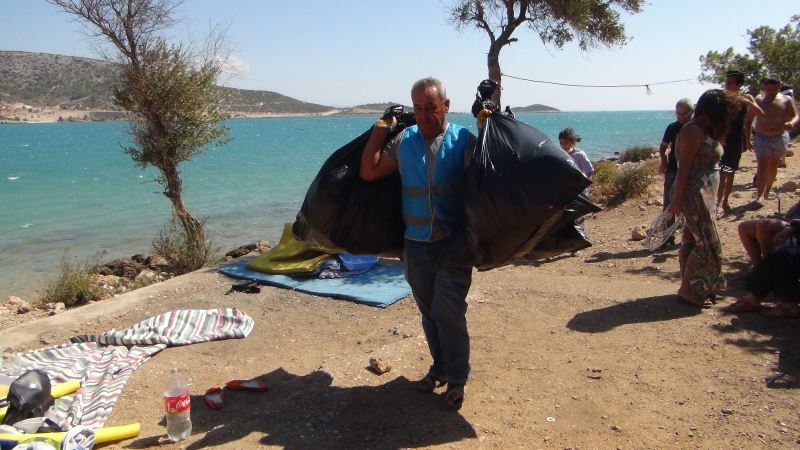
613	185
75	284
173	245
637	153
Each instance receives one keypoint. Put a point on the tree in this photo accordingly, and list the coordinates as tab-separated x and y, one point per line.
592	22
770	52
168	92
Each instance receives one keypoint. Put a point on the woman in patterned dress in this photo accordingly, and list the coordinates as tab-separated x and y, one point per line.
694	195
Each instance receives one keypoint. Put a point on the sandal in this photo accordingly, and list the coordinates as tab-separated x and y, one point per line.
744	305
704	303
429	384
454	397
214	397
252	385
782	311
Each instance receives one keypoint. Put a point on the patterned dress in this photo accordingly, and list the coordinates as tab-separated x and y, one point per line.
703	269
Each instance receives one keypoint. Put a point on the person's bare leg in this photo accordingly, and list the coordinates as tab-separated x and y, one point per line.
766	229
761	176
772	172
747	234
725	187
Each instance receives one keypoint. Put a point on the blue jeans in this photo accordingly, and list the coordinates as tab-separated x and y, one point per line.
441	296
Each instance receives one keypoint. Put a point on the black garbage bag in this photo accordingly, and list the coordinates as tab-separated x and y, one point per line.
28	396
342	210
567	235
519	191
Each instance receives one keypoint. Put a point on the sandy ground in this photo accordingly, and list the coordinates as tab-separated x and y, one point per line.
590	351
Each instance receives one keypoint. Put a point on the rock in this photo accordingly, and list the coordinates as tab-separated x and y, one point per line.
789	186
23	309
238	252
378	365
141	259
616	428
658	202
124	267
55	308
789	153
156	261
263	246
12	302
638	233
642	208
146	274
111	280
727	411
47	338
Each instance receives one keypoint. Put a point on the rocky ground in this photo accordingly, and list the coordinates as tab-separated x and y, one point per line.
591	351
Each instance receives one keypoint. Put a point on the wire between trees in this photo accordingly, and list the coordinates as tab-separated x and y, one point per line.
644	85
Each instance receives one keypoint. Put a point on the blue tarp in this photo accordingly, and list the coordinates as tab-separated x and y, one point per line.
380	286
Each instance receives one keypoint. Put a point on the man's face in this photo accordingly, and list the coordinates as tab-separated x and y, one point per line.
683	114
731	85
429	111
770	90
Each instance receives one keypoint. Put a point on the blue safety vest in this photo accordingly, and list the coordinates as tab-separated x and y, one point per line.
440	202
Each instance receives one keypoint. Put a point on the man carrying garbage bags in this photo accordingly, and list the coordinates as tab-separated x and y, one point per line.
431	158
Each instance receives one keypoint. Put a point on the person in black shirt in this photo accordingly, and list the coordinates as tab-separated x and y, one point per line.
669	160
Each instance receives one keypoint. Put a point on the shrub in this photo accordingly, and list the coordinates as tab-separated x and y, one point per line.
632	181
612	185
75	284
602	188
637	153
174	246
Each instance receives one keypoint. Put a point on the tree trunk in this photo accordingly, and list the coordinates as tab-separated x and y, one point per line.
195	236
493	64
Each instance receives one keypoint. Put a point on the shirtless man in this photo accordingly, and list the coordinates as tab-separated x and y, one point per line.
770	139
737	139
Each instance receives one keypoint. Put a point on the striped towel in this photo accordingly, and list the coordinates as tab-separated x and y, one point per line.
104	362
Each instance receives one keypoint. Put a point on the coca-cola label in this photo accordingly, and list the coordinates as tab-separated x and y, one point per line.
177	404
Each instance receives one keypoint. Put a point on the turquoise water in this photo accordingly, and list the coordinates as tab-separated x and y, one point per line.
69	188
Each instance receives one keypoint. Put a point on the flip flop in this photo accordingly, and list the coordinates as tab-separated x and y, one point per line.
742	305
252	385
215	397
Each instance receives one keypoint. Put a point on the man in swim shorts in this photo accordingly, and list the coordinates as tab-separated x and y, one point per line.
770	138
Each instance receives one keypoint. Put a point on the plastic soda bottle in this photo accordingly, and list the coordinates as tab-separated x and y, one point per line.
177	407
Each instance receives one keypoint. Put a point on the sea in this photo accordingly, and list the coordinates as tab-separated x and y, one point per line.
68	190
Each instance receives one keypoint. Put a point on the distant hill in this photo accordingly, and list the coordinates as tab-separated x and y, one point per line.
535	108
70	82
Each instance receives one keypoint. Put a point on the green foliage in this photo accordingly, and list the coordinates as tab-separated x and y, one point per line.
592	23
770	51
637	153
174	107
173	245
612	185
75	284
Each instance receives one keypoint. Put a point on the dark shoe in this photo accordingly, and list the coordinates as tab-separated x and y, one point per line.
429	384
454	397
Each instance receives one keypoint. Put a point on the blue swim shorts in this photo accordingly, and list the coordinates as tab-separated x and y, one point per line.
770	145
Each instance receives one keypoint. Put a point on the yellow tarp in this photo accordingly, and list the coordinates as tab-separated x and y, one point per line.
291	256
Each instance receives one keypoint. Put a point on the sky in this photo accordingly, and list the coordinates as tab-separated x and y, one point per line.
348	52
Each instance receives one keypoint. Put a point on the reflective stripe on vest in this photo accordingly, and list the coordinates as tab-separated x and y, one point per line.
441	202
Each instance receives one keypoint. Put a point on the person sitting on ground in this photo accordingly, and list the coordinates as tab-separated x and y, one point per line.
568	140
758	236
778	273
